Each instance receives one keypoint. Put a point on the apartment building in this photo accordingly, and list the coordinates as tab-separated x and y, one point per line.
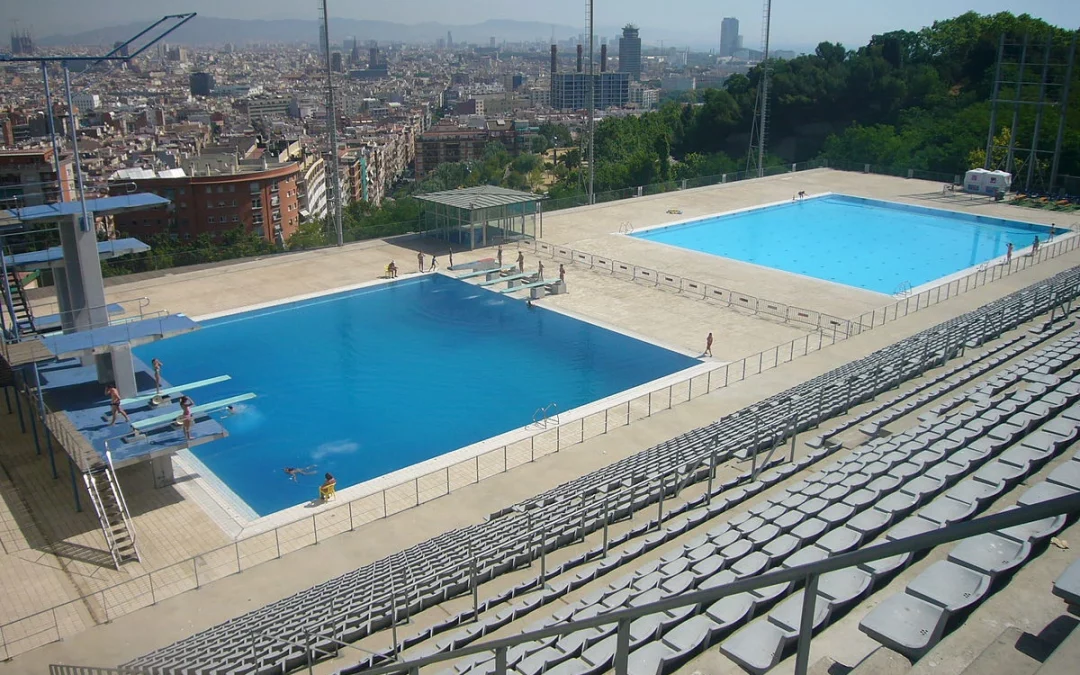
215	194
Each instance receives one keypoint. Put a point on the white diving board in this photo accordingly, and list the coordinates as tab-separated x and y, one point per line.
169	418
137	400
494	270
523	287
512	277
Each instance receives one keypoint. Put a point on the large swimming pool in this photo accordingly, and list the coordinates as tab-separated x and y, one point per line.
876	245
366	382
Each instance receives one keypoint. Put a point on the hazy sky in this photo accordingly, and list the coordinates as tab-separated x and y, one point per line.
795	22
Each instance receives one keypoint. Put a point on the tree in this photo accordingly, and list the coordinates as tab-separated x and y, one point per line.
311	234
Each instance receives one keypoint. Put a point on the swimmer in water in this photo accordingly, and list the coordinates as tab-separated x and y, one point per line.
294	473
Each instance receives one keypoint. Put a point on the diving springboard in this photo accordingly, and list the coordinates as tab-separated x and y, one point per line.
137	400
480	273
523	287
513	277
168	418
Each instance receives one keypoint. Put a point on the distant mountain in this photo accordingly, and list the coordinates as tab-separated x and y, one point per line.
204	31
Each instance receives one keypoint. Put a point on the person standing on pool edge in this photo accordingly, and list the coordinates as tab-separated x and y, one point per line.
521	263
498	255
1008	253
708	345
420	261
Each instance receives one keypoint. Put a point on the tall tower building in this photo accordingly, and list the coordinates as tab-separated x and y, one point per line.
630	52
729	36
449	40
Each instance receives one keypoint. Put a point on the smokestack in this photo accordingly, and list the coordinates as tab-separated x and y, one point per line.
579	58
554	59
603	58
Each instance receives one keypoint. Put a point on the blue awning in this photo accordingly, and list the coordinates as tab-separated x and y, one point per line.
36	260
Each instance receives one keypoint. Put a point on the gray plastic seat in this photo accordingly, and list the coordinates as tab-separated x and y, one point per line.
975	491
648	660
840	540
945	510
1043	491
788	614
905	624
990	553
1067	585
751	565
870	522
949	585
756	647
1066	475
843	586
732	609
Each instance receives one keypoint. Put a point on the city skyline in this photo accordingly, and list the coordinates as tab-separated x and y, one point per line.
831	20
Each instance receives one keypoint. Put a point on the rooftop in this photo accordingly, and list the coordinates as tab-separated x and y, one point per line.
480	197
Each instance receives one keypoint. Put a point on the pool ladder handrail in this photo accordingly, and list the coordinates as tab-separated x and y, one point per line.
903	290
626	227
543	415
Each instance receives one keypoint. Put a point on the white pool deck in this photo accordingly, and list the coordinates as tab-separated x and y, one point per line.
51	554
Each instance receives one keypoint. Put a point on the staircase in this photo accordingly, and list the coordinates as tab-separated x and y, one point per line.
20	307
112	511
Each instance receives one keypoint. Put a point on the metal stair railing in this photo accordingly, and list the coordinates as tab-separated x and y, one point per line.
808	573
103	516
114	484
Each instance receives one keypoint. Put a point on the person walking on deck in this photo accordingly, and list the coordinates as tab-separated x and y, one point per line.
114	403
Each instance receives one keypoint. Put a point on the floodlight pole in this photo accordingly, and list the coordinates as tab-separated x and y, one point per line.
331	118
52	129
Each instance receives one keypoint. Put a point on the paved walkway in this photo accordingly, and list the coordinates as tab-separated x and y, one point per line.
57	554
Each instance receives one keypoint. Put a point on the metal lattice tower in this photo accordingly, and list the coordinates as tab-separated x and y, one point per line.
755	158
331	121
1032	77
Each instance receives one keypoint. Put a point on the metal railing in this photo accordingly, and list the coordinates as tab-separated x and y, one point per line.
29	632
686	286
808	574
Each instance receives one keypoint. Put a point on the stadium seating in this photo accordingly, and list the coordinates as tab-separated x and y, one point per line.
991	417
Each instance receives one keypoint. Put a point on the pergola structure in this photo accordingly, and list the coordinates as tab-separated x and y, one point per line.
481	216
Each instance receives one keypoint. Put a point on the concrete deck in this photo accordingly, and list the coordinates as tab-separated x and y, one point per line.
52	554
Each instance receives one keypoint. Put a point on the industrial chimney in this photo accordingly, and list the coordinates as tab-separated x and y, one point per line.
579	58
603	58
554	59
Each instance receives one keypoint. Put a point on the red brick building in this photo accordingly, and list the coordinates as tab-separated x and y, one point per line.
263	200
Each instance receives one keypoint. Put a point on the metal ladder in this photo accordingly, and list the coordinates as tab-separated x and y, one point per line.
112	511
19	307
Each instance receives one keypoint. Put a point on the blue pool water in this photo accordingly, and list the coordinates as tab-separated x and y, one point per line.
876	245
366	382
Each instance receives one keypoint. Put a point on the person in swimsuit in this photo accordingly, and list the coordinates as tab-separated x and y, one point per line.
521	263
498	255
293	473
114	401
708	345
434	264
186	419
156	363
420	261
